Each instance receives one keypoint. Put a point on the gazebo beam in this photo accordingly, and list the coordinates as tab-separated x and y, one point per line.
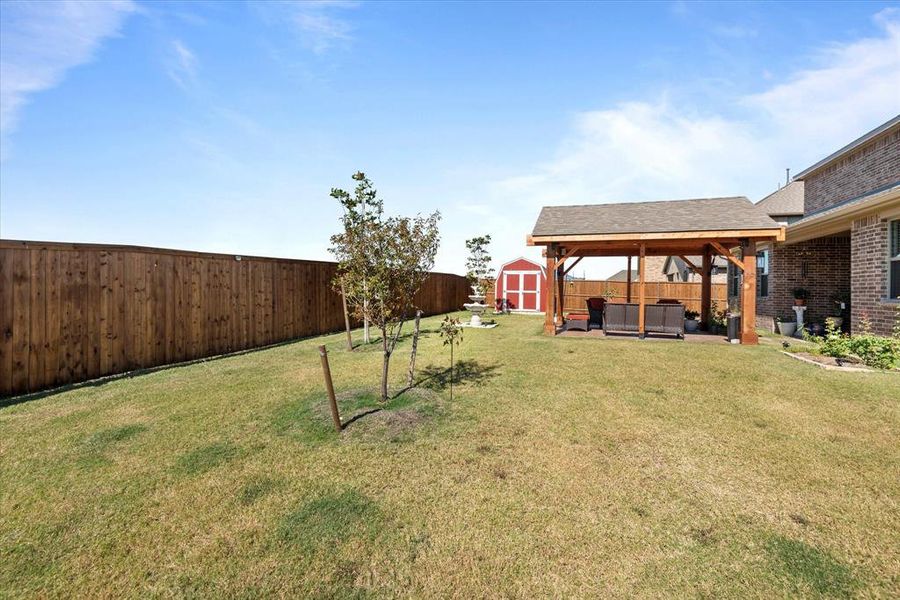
706	289
748	295
722	250
628	282
549	325
561	285
572	266
642	264
690	265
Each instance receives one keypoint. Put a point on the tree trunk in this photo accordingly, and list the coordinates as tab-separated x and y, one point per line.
451	372
346	318
412	354
384	366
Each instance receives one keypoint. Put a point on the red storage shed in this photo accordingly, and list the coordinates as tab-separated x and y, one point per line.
523	284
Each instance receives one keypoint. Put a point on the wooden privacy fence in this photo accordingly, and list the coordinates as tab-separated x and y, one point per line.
73	312
687	293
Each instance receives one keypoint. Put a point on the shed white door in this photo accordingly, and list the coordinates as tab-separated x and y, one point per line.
522	289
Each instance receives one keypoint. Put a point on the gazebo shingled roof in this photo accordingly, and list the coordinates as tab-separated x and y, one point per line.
701	214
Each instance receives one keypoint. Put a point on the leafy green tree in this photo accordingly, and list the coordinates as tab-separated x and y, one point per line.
382	262
478	264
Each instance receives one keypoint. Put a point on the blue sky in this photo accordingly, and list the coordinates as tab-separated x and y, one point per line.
222	127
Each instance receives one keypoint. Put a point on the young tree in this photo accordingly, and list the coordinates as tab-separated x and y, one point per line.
452	332
412	353
478	264
362	211
382	263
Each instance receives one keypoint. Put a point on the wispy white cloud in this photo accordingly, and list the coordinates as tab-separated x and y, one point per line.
41	41
658	149
181	64
734	31
321	25
850	84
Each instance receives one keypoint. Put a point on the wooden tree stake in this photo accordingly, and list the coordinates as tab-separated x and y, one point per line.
323	353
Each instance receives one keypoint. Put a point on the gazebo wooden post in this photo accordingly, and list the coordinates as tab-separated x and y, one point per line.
748	294
549	325
628	281
641	294
706	289
561	284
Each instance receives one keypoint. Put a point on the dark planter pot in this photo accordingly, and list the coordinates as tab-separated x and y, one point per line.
734	328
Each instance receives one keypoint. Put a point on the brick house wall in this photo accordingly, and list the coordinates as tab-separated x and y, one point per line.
868	281
820	265
867	168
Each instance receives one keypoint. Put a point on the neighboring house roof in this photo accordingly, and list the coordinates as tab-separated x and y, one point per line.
623	275
892	123
679	265
786	201
702	214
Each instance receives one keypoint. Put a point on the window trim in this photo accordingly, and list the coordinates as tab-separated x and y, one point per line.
762	274
893	242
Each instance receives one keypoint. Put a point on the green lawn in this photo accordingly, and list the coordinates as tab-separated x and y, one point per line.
563	467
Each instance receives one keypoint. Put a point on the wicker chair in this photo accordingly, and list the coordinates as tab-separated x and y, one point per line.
595	309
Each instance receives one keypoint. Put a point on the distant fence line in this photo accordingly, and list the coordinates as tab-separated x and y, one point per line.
576	292
74	312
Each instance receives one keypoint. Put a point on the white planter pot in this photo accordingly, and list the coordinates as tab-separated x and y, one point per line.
788	329
690	325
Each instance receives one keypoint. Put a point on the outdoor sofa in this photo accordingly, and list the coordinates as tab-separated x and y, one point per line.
658	318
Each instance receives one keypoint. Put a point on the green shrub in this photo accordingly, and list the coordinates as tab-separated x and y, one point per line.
834	343
875	350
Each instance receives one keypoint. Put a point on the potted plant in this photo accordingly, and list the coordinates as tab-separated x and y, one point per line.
690	320
801	295
786	326
717	319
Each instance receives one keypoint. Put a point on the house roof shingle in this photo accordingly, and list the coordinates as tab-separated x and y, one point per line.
665	216
786	201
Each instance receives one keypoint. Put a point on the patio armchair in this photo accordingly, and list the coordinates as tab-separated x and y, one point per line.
595	310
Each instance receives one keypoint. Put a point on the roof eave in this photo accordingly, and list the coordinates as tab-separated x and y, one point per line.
886	202
770	232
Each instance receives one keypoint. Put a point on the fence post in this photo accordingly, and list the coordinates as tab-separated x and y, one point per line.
323	353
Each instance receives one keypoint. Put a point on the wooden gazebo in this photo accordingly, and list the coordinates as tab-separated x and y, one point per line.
700	227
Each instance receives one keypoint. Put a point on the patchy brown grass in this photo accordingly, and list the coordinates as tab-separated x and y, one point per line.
563	467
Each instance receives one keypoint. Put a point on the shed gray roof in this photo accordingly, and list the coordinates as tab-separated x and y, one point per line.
785	201
666	216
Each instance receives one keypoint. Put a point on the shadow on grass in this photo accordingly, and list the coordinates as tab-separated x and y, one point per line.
374	344
437	378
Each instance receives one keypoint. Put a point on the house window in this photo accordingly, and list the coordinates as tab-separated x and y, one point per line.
762	273
894	277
